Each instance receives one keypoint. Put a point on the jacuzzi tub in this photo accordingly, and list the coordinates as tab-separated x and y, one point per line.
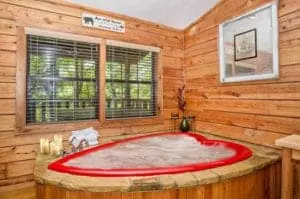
256	177
129	156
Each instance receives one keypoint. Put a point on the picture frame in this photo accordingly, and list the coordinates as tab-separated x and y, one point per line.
245	45
248	46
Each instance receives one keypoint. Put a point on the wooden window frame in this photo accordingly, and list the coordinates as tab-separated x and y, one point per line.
21	125
134	121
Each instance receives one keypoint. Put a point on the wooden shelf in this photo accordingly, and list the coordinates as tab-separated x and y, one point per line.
291	142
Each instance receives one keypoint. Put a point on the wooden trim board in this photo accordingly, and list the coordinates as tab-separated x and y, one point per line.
290	142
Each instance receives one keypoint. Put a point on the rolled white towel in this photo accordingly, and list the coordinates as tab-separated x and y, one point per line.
93	142
83	137
89	131
87	134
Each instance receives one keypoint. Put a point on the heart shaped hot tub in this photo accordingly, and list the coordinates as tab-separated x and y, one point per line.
154	154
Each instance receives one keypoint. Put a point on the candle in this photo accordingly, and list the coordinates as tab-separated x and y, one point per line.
58	141
46	146
42	140
52	148
57	150
61	147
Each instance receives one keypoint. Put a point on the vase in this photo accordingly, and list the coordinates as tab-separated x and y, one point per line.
184	125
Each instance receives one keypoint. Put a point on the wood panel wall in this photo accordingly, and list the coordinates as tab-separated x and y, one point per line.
17	152
258	111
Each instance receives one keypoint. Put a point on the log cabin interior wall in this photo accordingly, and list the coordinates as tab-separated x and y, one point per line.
17	151
258	112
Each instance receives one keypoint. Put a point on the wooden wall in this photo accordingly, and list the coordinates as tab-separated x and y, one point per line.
258	111
17	152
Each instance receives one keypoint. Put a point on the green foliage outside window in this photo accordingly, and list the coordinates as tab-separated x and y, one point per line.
130	84
53	97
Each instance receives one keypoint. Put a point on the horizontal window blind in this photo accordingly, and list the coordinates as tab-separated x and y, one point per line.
131	85
62	80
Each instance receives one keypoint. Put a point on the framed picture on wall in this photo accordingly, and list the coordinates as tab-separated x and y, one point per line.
245	45
248	46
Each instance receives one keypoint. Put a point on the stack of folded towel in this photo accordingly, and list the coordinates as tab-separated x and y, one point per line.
90	135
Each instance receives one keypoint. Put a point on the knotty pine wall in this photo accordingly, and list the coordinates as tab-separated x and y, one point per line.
259	111
17	152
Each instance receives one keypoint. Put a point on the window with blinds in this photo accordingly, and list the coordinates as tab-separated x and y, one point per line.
62	80
130	82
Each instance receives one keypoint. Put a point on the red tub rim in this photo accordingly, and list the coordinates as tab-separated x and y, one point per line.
242	153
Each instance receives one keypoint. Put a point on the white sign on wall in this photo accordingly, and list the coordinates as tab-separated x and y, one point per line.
102	22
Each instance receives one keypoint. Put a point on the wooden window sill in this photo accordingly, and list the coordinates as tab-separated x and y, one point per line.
97	124
138	121
58	127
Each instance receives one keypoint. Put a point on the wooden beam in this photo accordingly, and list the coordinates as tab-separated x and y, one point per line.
287	174
102	82
61	35
21	80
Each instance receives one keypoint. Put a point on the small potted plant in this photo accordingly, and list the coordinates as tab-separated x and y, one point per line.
184	124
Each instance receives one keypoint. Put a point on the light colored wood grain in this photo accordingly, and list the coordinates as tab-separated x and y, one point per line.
18	153
296	155
258	112
75	10
8	27
133	46
7	106
266	138
18	143
287	174
290	142
19	180
297	181
273	91
289	22
60	35
42	19
260	123
7	90
21	79
2	171
255	122
8	42
7	58
221	109
23	191
288	6
15	169
259	185
7	122
102	82
7	74
283	108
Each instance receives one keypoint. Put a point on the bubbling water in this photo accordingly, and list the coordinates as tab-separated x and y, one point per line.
152	152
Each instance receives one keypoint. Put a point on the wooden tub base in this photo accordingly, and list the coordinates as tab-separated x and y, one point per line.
262	184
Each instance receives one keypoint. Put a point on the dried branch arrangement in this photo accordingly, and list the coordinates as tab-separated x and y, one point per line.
181	98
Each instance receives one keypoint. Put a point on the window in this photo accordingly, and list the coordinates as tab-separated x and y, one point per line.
130	82
62	80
